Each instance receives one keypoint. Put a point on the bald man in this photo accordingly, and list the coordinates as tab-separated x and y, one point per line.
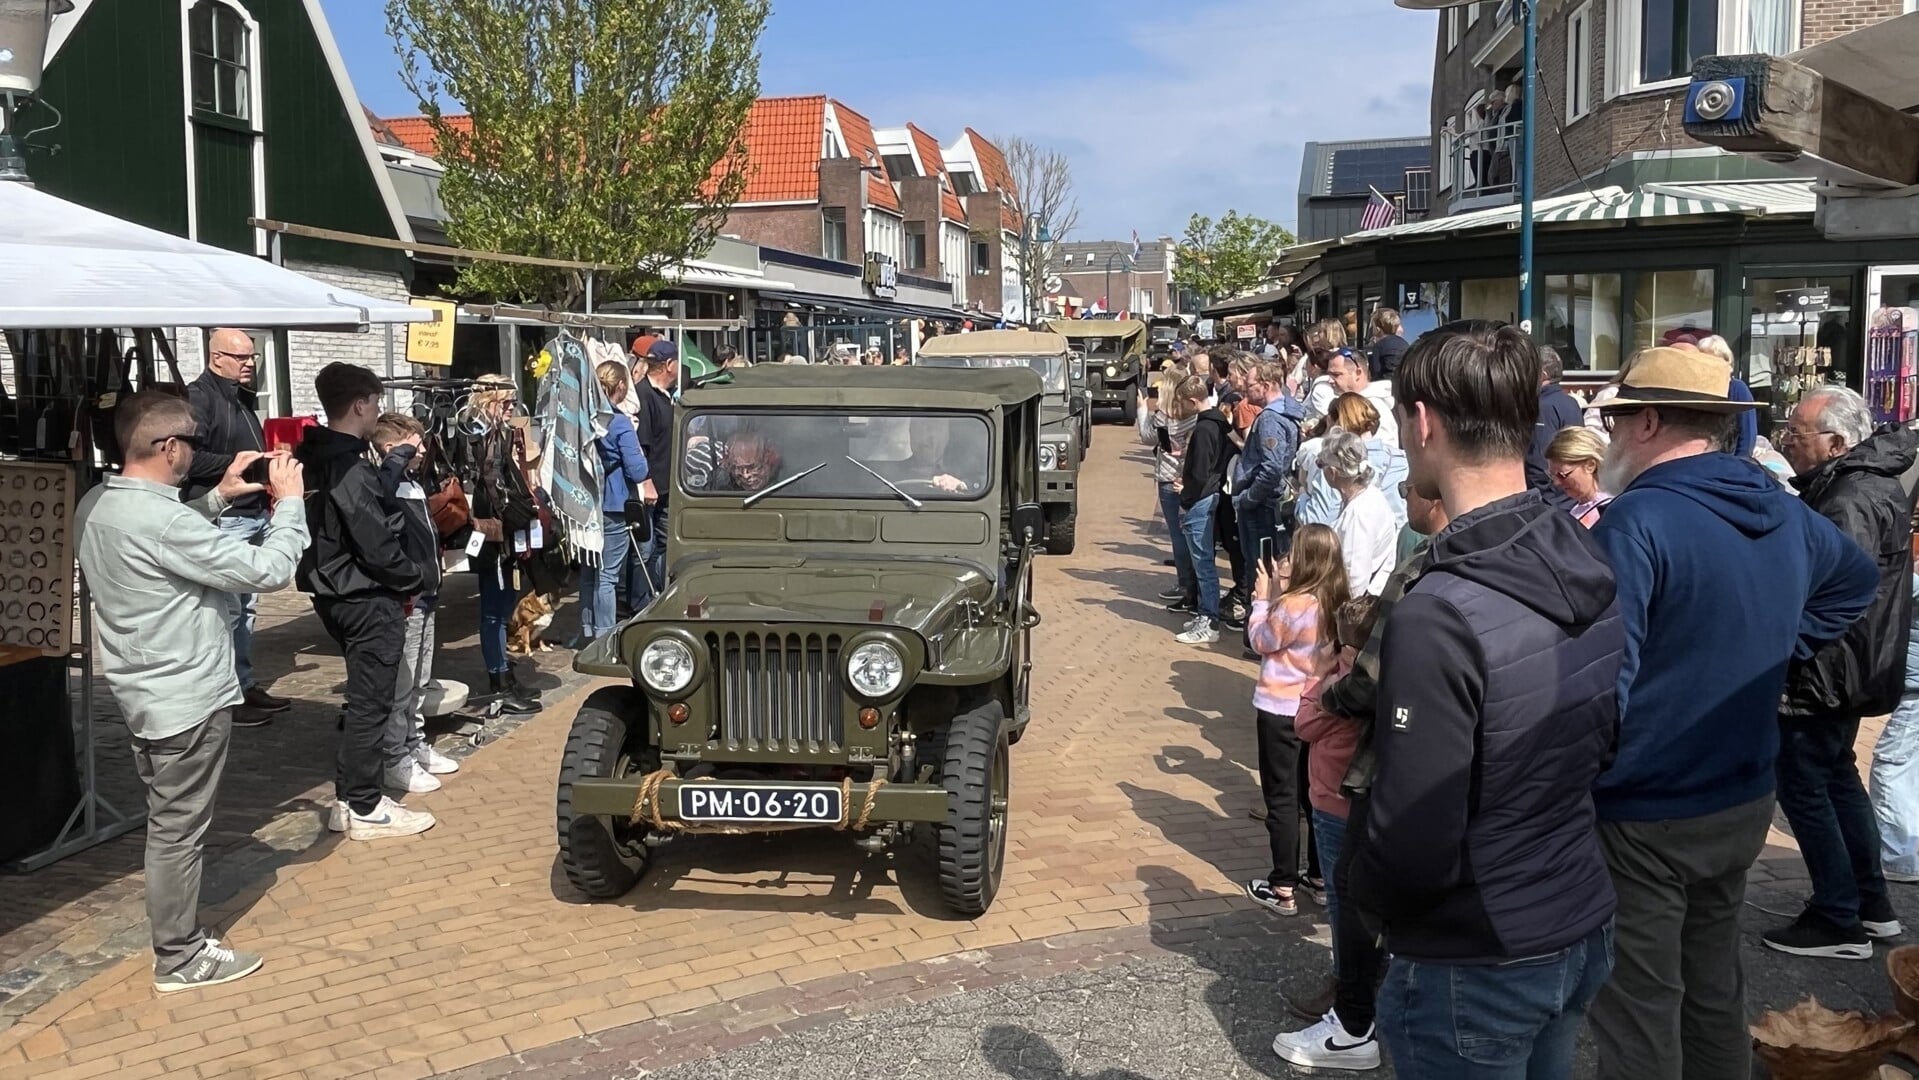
224	411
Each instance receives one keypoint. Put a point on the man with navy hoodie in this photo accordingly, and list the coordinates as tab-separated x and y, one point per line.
1724	579
1259	480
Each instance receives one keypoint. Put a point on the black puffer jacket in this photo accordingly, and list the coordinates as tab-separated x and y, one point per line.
356	529
224	419
1497	708
1869	494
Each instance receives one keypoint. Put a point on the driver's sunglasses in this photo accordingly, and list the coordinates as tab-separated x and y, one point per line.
189	439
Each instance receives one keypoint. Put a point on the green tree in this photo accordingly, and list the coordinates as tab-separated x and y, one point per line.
602	131
1223	258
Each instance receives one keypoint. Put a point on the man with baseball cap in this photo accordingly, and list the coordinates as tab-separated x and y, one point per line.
1724	578
654	425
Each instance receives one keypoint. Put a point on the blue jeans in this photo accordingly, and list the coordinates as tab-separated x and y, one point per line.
649	564
498	597
1511	1021
1182	555
599	585
1825	803
1196	523
1893	783
1257	521
241	605
1329	833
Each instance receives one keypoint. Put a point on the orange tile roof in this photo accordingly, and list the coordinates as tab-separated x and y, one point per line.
934	162
416	132
998	177
782	138
865	149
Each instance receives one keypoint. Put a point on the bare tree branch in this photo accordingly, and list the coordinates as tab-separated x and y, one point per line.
1047	206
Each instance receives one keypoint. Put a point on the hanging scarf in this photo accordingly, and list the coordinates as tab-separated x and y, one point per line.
572	413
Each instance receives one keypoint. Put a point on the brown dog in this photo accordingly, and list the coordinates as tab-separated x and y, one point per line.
533	615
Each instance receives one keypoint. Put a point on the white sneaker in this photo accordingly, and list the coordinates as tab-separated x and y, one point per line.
1326	1045
433	761
411	778
1900	877
387	819
1202	631
336	818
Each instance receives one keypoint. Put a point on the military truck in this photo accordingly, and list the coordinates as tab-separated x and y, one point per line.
1060	447
1115	359
845	641
1162	332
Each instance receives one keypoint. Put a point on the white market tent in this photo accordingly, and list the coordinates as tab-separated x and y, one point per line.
64	266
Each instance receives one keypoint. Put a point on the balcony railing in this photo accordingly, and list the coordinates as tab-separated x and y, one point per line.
1484	166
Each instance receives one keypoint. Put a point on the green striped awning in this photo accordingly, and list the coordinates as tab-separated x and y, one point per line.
1636	206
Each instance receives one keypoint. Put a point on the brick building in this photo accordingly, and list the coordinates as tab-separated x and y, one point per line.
1103	275
1644	236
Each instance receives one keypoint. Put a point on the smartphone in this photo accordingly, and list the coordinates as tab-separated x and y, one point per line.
1165	442
256	473
1153	392
1269	552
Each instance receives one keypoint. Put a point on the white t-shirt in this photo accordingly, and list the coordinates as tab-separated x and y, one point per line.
1319	397
1369	541
1380	393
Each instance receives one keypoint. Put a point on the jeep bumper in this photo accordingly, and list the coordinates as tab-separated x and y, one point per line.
893	802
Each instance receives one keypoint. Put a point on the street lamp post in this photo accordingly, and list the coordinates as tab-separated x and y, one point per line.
1033	230
1107	299
1529	19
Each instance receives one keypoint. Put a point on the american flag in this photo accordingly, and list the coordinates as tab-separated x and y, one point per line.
1379	213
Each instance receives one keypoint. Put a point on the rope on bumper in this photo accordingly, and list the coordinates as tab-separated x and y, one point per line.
646	810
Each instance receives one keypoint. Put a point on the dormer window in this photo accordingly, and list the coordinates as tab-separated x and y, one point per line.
221	44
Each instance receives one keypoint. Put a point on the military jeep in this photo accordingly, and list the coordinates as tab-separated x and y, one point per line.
1115	359
845	639
1060	447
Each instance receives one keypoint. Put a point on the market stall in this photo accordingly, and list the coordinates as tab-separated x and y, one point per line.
88	303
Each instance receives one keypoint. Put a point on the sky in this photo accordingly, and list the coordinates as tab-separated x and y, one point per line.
1165	110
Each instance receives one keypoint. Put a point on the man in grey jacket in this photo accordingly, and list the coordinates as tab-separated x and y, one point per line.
160	574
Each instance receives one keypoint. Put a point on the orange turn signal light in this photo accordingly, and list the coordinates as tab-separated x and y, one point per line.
677	712
869	718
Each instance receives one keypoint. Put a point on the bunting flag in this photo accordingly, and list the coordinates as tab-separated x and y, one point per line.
1379	213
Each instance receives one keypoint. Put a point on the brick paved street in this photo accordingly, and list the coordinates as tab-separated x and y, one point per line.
464	951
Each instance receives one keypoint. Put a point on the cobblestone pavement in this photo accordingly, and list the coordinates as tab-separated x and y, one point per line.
464	951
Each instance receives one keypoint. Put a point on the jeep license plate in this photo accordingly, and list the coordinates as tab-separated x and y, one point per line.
810	804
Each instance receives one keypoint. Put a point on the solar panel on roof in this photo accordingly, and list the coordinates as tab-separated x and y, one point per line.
1383	167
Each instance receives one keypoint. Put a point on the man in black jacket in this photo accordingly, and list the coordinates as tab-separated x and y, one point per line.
1202	473
223	414
1388	347
1558	410
1862	483
1496	711
361	580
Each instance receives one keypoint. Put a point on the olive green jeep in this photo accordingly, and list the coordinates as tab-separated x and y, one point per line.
1115	351
845	641
1061	446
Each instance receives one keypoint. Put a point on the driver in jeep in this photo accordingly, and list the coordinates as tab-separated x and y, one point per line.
748	463
927	463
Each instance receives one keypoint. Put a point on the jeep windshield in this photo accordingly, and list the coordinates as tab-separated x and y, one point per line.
926	456
1050	369
1104	348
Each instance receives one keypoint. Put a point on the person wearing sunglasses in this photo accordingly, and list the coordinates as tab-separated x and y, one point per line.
158	572
228	423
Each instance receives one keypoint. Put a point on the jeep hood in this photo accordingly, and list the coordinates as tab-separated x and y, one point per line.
908	594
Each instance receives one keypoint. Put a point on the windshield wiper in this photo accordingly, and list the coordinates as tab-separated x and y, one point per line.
795	478
910	501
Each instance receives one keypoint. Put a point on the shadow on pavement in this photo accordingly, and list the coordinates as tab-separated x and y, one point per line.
1024	1055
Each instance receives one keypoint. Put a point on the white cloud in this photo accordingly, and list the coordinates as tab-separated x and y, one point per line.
1218	118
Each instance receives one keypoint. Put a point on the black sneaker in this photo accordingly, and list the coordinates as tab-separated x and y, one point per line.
1173	593
1880	920
1262	893
1185	604
1235	621
251	716
1812	934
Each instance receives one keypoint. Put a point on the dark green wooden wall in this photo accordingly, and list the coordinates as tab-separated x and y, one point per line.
122	143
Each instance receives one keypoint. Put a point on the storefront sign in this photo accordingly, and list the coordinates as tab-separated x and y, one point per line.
1246	331
882	276
431	343
1205	330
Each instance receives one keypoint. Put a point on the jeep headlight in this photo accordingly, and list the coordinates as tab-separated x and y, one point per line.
1111	371
875	669
666	665
1048	457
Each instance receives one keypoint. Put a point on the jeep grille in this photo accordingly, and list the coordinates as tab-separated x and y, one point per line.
779	692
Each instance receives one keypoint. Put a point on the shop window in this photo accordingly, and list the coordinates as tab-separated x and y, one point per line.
222	60
1493	299
1582	320
1671	305
833	233
1781	323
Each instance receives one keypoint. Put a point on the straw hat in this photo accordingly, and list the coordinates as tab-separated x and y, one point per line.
1682	378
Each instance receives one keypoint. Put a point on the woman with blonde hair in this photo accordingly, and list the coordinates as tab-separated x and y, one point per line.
625	471
1573	459
1746	439
1165	424
499	455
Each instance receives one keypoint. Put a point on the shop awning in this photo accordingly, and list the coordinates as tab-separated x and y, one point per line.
1241	305
698	272
1653	202
65	266
870	308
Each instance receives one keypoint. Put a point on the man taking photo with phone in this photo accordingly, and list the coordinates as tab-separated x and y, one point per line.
226	424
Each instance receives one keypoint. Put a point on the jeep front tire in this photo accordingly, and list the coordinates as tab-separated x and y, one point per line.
975	768
603	857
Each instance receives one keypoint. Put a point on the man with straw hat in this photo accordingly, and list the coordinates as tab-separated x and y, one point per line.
1724	578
